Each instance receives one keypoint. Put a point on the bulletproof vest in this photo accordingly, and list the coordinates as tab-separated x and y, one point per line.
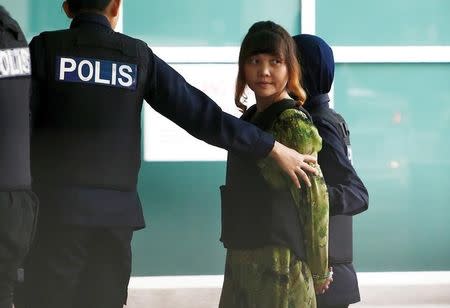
253	213
87	127
341	226
15	72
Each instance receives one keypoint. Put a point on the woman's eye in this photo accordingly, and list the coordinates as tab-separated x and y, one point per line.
276	61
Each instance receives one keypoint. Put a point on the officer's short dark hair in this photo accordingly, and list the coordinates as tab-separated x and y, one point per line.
76	6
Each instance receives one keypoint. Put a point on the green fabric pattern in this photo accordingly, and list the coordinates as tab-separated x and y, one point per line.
272	277
269	277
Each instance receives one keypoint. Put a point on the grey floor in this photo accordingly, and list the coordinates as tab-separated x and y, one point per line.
208	298
401	293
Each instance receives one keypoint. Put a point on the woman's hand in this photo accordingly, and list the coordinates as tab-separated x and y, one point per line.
323	287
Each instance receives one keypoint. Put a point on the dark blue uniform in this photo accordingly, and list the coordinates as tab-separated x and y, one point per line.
18	205
89	84
347	194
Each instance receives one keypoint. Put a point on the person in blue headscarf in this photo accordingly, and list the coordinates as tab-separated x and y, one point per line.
347	194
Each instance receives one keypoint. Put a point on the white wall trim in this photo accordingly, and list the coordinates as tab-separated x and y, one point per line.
176	282
391	54
342	54
308	16
439	278
180	54
119	27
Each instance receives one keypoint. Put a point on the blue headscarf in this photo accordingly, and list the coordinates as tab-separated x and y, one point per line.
317	63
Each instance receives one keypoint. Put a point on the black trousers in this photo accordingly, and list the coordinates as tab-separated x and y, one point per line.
18	211
77	267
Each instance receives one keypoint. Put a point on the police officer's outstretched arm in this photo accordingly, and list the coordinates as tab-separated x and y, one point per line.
169	94
348	195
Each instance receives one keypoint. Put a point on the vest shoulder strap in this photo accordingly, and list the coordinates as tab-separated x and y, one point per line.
268	116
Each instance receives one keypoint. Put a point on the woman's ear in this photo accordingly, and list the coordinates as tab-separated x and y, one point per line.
67	9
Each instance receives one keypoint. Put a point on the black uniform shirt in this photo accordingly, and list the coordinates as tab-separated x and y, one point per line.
347	193
86	138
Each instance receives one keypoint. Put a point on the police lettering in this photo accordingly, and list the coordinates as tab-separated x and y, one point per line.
101	72
14	62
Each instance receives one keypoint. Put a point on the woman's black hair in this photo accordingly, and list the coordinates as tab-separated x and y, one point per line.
263	37
267	37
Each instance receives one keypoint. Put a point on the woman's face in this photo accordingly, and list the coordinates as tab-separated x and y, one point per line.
267	76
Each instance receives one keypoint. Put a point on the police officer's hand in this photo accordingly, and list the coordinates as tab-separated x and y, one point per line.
293	163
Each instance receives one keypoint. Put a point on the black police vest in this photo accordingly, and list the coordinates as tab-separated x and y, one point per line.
14	106
341	226
87	127
254	214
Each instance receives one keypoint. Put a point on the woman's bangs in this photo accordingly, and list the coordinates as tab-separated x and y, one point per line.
264	42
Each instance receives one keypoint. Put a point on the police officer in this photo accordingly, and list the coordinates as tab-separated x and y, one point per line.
18	204
347	194
89	83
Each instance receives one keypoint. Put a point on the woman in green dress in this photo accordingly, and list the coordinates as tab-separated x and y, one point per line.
276	235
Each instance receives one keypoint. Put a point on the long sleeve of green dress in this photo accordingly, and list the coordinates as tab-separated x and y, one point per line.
293	129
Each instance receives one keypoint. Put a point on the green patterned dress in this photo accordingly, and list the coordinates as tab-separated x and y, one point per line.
272	277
